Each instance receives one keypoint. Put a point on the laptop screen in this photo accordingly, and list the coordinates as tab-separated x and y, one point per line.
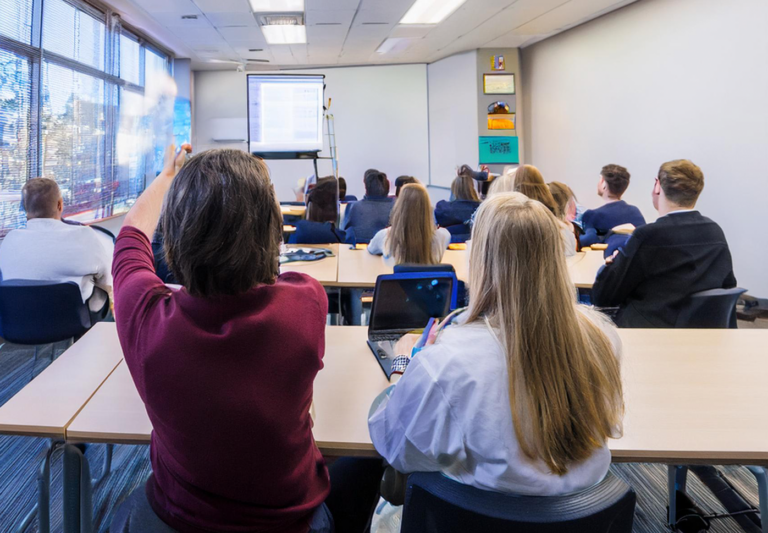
403	304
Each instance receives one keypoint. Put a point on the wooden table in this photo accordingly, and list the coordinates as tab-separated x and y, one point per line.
325	270
293	210
46	406
583	268
692	396
358	268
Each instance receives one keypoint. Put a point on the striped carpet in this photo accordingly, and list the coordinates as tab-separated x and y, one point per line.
20	458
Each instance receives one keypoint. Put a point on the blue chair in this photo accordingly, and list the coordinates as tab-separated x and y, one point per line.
42	312
436	504
712	309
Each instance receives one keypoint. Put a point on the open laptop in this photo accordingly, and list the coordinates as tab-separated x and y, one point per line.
403	303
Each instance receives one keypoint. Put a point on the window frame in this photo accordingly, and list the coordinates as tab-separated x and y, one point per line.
113	83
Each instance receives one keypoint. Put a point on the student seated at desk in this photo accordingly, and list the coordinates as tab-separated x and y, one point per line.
683	252
322	213
371	214
528	181
470	404
224	372
597	223
343	196
565	201
402	181
51	250
455	215
412	237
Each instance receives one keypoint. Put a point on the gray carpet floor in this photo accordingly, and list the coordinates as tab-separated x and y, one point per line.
20	458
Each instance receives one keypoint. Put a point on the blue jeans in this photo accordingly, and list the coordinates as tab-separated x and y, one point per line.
135	515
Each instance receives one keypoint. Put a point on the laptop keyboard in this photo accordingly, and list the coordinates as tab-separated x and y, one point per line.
386	337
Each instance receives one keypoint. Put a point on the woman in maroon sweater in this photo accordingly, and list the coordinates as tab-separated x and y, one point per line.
225	365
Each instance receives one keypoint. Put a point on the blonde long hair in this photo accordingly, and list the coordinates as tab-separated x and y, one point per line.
565	389
412	227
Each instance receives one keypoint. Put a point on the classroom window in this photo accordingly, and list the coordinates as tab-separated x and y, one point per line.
73	133
73	33
61	96
15	93
130	60
16	21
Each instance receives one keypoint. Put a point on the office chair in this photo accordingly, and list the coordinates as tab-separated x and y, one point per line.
459	232
42	312
436	504
715	308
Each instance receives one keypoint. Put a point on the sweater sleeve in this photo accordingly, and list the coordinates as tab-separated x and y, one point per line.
136	286
615	282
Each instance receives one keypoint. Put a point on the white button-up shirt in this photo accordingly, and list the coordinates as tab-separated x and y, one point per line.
50	250
450	413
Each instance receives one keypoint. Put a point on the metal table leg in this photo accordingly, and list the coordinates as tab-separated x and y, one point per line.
78	499
676	481
762	490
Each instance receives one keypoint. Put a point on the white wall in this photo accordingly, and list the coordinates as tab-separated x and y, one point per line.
655	81
380	114
452	84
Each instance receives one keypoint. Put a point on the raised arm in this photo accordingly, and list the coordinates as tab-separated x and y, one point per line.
146	211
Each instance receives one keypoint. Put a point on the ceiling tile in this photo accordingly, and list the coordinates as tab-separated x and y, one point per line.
240	6
168	6
310	5
223	20
227	28
241	34
174	20
342	16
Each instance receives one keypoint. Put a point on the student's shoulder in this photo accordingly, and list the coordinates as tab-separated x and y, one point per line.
298	283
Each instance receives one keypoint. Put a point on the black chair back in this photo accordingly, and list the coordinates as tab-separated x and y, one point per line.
715	308
415	267
41	312
436	504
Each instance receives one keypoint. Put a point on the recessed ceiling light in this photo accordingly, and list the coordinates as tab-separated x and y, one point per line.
277	6
393	44
430	11
285	34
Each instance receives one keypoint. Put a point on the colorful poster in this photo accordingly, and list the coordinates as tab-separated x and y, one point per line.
501	121
499	151
497	63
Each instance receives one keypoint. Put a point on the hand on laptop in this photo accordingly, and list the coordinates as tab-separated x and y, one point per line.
406	343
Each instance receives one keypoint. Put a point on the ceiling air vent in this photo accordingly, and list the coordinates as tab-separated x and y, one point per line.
189	17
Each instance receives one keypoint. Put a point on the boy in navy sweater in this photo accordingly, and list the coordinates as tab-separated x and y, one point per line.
597	223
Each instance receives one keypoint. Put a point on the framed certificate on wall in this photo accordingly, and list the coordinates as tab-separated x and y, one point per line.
498	84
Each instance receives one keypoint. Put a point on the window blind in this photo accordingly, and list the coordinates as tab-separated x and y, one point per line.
16	20
61	90
15	94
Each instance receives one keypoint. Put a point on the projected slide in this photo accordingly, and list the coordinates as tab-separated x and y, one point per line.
285	113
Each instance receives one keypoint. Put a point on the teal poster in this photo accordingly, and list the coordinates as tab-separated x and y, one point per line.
499	150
